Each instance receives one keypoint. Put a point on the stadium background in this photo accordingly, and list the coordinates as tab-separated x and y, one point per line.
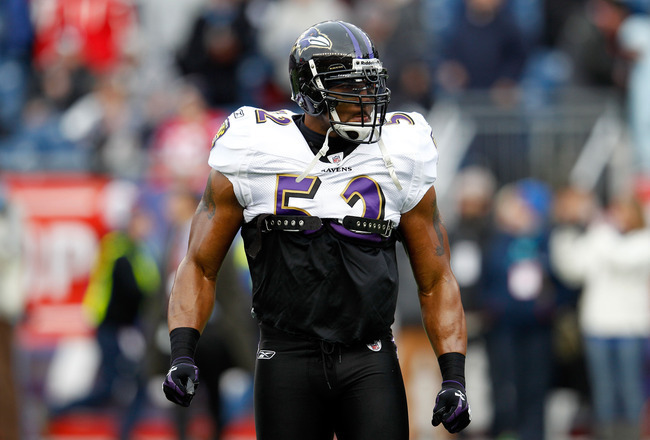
110	104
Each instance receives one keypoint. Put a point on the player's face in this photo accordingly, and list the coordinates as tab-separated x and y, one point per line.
351	98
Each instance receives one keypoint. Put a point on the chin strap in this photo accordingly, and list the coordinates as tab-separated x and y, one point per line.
389	164
344	130
322	152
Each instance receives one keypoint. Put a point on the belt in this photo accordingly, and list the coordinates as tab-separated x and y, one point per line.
291	223
295	223
364	225
298	223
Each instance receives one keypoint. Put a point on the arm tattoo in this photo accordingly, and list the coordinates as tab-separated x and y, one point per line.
207	201
437	225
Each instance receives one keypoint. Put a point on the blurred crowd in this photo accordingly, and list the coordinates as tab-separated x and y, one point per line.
556	286
555	277
133	88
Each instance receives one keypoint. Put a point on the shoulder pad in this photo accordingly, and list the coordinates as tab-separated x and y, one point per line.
246	119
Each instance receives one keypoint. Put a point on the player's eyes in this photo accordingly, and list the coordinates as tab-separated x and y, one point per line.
353	88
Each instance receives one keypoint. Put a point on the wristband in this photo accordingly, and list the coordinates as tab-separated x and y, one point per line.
452	367
183	342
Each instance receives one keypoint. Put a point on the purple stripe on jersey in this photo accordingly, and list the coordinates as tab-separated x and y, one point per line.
355	42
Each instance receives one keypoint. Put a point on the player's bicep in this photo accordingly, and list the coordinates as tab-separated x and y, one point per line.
216	221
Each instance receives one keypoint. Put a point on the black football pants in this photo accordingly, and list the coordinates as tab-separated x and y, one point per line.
309	390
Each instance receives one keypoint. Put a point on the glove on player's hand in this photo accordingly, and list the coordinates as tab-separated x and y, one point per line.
181	381
452	408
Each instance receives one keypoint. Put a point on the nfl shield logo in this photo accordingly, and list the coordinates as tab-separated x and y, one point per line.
335	158
375	346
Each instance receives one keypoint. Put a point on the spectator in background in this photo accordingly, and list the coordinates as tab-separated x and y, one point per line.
609	257
59	88
519	302
165	26
82	59
398	32
485	55
282	20
631	33
180	144
94	35
485	50
468	237
106	124
11	309
593	53
556	13
570	371
38	141
634	37
77	45
221	39
529	18
123	277
77	41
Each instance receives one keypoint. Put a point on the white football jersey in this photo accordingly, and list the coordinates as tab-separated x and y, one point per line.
262	153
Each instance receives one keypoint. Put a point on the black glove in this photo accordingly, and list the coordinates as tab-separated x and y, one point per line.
452	407
181	381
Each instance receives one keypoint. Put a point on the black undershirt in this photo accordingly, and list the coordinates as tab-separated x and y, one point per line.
315	140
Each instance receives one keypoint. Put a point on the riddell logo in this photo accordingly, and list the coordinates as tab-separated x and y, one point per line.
358	63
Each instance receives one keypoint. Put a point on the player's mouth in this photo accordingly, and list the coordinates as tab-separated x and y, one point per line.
365	118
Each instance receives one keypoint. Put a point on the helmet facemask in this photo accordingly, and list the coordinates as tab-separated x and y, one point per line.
364	85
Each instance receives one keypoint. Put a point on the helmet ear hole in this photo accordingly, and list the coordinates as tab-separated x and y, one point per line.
300	100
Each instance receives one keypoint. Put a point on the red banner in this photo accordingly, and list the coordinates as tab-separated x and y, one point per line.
64	218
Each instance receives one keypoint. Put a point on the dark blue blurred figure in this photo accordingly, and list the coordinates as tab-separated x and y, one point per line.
482	65
219	52
16	38
485	49
519	301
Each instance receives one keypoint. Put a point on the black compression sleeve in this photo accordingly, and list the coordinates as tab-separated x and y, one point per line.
452	367
183	342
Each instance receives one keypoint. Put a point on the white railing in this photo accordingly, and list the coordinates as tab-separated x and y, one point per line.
570	136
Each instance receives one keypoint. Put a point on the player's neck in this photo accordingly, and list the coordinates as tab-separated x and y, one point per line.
315	140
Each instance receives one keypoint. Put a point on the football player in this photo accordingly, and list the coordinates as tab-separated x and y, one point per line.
320	198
